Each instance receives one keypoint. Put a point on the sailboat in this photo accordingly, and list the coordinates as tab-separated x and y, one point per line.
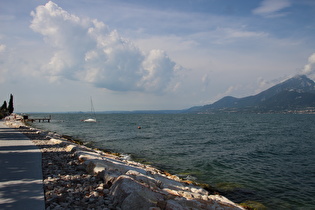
92	112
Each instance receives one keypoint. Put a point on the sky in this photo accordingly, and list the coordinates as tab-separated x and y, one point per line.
149	55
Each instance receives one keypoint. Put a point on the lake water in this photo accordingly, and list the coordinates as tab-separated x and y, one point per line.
267	158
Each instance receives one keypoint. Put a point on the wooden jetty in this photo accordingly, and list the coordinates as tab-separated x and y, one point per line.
45	119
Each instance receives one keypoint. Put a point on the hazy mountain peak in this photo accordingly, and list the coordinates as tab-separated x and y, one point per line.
295	93
299	83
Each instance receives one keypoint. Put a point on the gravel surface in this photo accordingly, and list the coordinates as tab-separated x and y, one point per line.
66	183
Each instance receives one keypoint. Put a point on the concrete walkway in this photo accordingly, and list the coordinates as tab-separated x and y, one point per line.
21	180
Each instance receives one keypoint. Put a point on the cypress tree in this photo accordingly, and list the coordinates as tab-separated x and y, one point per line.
3	110
10	107
4	106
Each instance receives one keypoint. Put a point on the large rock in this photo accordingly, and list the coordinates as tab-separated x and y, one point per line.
174	205
222	202
130	194
109	176
147	180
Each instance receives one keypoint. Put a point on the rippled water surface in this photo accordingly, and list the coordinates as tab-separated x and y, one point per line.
267	158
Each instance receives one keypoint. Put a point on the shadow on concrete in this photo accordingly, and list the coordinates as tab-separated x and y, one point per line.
21	180
22	194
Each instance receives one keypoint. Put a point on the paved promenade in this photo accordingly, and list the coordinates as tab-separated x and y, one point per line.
20	171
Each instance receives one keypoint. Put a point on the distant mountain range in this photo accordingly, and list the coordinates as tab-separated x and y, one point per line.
293	95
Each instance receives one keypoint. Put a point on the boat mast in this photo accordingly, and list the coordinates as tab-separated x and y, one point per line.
92	108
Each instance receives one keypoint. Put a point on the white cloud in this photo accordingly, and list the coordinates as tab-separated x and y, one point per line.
87	50
271	8
240	33
264	84
228	35
3	70
205	80
309	68
2	48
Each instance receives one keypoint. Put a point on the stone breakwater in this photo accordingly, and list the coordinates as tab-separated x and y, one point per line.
79	177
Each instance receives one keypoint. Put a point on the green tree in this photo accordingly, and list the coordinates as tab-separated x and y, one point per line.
3	110
4	106
10	107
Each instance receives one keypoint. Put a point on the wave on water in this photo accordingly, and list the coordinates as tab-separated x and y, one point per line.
125	157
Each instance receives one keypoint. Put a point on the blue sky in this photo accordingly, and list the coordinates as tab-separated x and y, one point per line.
148	55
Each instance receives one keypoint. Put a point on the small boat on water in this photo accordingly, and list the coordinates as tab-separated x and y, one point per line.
89	120
92	113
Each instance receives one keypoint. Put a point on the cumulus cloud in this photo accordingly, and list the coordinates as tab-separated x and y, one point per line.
272	8
309	68
87	50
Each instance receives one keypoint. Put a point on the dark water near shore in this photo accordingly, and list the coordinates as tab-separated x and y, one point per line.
267	158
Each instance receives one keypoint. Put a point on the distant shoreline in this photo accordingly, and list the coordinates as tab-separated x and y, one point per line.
185	111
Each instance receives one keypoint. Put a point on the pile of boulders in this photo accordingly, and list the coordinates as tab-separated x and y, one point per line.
76	176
